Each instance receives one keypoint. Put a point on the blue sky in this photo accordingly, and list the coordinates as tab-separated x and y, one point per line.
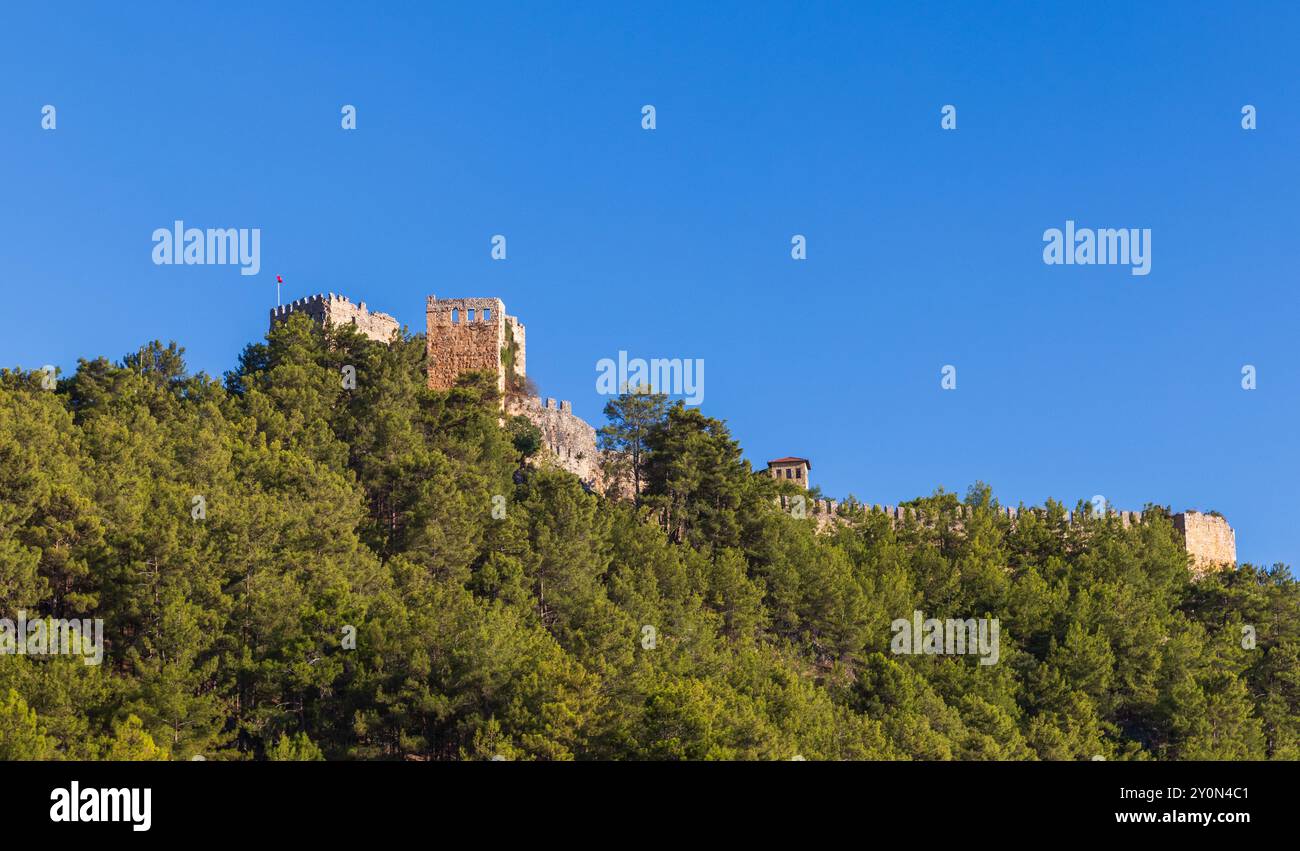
924	245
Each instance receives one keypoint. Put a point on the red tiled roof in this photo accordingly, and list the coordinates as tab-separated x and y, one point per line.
790	461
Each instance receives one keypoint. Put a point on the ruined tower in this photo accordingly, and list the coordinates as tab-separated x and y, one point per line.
476	334
468	334
1210	541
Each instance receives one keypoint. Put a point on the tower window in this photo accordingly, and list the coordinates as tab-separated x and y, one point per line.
487	314
798	474
470	315
455	316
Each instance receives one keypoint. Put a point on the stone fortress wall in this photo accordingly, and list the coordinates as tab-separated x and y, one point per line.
1209	539
331	310
570	440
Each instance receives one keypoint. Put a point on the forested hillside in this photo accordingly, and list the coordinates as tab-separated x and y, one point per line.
352	590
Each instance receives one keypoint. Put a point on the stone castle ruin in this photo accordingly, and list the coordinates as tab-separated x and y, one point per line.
468	334
571	441
465	334
334	310
476	334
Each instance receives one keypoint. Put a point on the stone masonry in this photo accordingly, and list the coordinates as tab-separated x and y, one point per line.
515	333
333	310
468	334
569	439
793	469
1210	539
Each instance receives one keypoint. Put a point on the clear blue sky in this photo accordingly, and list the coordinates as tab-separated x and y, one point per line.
924	246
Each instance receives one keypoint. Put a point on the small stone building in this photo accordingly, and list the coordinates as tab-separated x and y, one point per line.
790	469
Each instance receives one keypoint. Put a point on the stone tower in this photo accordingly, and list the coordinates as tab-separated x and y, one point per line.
1211	542
476	334
466	334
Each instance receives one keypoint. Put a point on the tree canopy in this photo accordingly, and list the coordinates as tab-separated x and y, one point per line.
291	567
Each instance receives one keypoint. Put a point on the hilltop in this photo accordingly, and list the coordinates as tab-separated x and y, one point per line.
383	571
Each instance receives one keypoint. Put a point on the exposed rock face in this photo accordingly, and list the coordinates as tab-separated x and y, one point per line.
1210	540
569	441
329	310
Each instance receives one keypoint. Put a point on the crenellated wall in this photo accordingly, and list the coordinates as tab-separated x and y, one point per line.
467	334
569	440
1208	538
333	310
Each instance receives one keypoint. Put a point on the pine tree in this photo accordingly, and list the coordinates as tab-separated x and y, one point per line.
625	438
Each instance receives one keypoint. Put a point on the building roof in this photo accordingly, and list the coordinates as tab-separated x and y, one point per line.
790	460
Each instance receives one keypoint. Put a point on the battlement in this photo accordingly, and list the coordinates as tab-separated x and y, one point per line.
331	310
549	404
571	441
903	512
1208	538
